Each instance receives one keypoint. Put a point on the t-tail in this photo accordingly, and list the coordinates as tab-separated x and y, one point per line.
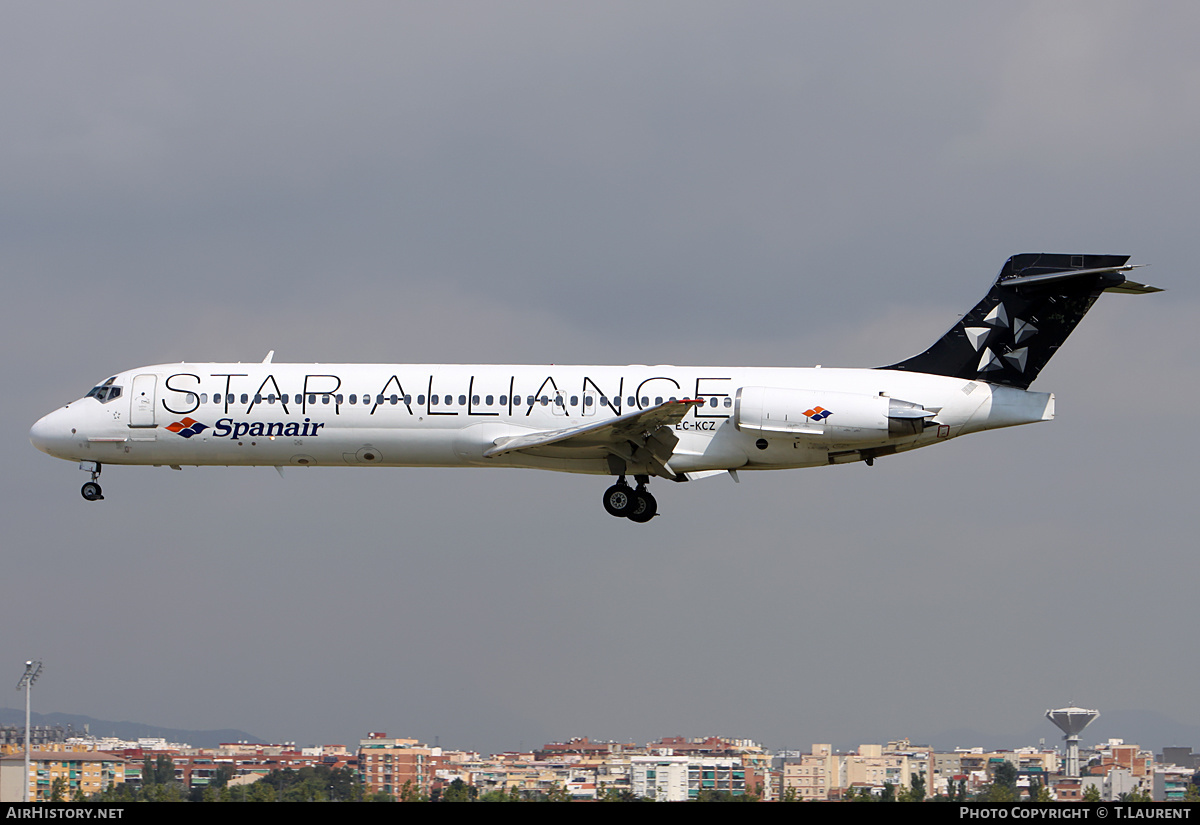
1036	302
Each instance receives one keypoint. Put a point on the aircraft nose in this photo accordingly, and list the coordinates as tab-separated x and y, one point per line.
51	433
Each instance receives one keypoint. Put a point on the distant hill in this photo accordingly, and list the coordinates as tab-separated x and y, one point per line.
129	730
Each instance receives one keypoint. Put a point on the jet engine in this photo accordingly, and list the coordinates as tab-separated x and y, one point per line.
838	416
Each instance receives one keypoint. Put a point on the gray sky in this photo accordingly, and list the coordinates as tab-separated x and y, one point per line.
696	183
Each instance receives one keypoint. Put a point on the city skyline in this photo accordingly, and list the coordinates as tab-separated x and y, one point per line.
1147	729
385	768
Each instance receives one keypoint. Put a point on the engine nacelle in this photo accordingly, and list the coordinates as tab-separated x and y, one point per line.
836	416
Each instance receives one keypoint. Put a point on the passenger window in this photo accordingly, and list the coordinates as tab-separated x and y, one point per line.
489	400
324	399
203	398
421	400
353	399
630	401
257	398
408	399
645	401
474	399
462	400
245	398
393	399
712	402
338	399
433	400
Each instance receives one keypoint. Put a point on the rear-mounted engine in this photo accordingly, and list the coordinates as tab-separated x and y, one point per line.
840	416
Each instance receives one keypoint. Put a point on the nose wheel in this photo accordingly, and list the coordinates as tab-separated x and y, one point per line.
91	490
624	502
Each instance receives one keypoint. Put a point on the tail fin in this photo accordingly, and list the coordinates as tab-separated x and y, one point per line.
1036	302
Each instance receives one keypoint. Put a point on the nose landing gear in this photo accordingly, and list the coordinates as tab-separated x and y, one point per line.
636	505
91	490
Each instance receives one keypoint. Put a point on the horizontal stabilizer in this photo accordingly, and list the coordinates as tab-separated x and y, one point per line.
1133	288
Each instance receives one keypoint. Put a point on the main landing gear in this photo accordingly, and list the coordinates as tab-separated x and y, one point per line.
636	505
91	490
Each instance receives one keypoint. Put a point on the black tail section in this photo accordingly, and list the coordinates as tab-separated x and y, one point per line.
1036	302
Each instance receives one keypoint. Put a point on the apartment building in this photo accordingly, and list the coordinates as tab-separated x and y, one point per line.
387	765
85	772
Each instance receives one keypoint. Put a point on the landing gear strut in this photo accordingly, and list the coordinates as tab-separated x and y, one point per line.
636	505
91	490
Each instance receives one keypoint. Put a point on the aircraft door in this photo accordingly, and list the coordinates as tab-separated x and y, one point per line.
141	401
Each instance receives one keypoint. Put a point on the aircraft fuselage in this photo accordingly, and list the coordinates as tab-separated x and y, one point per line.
449	415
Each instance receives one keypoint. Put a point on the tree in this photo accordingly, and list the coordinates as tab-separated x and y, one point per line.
1136	795
1003	787
710	795
558	793
456	791
1092	794
1038	792
164	770
915	792
260	791
316	784
615	795
411	793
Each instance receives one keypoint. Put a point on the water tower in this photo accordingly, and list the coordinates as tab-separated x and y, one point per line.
1072	721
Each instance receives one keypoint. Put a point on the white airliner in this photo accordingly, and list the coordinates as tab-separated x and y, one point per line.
679	423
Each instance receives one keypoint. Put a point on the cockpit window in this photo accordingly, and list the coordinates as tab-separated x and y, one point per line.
105	392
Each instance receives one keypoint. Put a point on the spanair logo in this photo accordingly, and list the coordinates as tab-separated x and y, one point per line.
187	428
818	413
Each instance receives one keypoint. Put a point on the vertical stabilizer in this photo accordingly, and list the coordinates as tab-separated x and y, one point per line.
1033	306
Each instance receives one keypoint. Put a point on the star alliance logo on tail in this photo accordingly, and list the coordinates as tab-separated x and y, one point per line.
187	428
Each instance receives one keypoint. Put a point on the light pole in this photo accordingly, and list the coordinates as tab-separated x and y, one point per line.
32	671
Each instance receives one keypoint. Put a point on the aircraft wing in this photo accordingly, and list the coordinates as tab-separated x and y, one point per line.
643	435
